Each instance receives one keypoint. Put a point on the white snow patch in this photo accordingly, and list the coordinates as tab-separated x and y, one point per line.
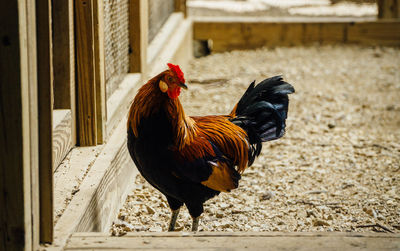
230	6
293	3
341	9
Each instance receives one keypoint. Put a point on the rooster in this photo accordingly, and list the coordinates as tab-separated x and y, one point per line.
192	159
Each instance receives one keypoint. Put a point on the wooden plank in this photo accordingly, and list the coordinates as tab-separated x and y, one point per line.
388	9
116	183
375	33
86	100
138	35
243	234
249	33
34	124
252	241
61	135
61	54
69	176
45	104
64	59
72	62
100	74
15	155
333	33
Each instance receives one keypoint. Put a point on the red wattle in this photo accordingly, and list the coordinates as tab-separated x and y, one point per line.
174	93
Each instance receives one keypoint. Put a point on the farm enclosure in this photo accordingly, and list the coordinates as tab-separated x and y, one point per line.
72	87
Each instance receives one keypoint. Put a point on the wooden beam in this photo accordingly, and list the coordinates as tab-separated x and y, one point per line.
115	177
234	241
34	124
375	33
249	33
138	35
100	73
72	62
64	59
86	100
64	74
388	9
62	54
15	149
45	110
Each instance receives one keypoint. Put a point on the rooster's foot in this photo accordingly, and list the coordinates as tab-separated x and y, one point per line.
173	220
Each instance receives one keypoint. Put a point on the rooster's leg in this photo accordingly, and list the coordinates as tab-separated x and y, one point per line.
195	224
173	220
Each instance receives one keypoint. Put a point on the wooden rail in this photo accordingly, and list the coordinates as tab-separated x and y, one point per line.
235	241
231	33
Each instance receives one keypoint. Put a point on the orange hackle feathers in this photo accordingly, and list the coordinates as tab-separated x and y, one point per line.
149	100
184	127
143	104
231	139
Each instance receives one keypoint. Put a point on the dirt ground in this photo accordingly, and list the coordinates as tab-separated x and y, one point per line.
336	169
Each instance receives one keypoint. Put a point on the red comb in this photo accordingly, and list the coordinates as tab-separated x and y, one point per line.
177	70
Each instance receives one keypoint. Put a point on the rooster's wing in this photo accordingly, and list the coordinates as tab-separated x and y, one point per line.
210	159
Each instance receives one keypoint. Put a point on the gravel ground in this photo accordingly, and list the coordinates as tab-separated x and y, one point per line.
336	169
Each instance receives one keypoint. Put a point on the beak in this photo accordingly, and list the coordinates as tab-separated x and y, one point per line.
183	85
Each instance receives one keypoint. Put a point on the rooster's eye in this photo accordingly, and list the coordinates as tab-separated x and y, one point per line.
170	79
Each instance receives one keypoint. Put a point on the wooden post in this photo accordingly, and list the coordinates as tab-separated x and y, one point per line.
64	59
388	8
34	124
180	6
87	119
17	216
45	110
138	33
100	74
62	54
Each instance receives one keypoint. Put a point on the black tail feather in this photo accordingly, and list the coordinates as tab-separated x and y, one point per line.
262	112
